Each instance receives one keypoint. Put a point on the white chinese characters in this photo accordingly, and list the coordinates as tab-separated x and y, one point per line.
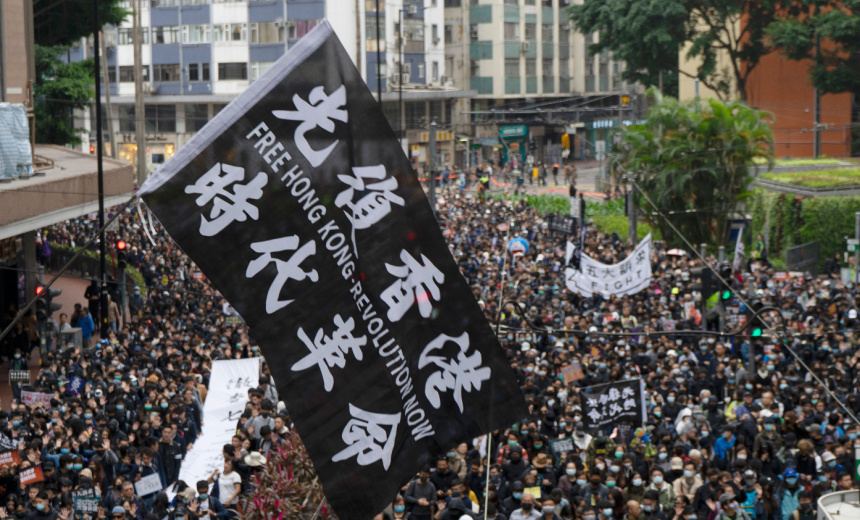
376	203
327	352
461	373
287	269
322	111
226	207
417	281
367	439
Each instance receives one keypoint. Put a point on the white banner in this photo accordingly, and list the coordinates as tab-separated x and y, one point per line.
626	277
228	392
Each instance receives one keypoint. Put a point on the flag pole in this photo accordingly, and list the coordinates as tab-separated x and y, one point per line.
498	327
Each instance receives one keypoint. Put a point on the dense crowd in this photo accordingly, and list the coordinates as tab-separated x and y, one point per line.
722	441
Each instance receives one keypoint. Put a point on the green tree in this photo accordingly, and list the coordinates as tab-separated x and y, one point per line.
836	68
652	33
694	160
645	34
64	23
60	89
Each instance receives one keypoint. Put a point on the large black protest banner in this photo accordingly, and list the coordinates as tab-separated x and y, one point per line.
298	203
611	404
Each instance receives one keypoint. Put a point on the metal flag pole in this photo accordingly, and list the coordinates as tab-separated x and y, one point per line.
498	327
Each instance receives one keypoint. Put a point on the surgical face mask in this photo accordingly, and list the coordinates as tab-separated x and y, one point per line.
63	409
771	368
570	472
120	407
783	386
518	496
88	416
637	482
671	399
588	517
657	479
40	507
64	450
705	434
164	406
791	481
742	456
610	483
614	468
832	464
607	512
79	467
768	427
601	467
822	478
69	467
16	423
688	473
581	482
399	509
662	455
203	496
648	509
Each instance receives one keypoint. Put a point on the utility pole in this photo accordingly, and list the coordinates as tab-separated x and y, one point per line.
139	113
400	113
107	102
632	215
721	253
432	140
101	176
816	126
378	58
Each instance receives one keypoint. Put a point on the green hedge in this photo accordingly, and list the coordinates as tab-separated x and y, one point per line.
794	220
619	224
133	272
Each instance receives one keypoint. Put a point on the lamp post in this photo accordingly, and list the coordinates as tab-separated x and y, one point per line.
400	123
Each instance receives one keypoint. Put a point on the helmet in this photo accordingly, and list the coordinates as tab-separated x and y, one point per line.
790	473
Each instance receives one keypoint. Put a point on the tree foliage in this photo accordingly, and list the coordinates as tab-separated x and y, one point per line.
837	68
286	487
65	22
60	89
645	34
694	161
649	35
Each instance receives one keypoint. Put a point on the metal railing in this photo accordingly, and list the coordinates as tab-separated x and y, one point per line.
803	258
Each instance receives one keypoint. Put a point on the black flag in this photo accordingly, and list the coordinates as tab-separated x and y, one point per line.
611	404
298	203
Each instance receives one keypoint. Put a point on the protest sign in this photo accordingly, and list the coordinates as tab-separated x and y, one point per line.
86	506
148	485
629	276
612	403
31	475
19	376
572	372
36	399
9	458
330	251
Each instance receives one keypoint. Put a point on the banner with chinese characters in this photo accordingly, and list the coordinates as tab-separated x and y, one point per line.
225	402
297	202
611	404
626	277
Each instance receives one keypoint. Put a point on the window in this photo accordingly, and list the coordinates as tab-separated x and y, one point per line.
546	32
267	32
165	34
298	28
232	71
420	71
370	6
204	69
452	3
370	34
413	29
415	115
196	116
196	34
531	67
381	71
126	36
230	32
475	68
198	72
512	2
258	68
531	31
126	118
109	37
547	66
160	118
434	33
126	73
512	30
473	32
166	72
449	34
512	67
436	111
434	71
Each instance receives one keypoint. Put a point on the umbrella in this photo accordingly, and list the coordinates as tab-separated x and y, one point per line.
676	252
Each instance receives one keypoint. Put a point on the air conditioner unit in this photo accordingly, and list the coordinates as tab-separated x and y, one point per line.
435	41
526	46
443	79
412	9
404	78
394	79
278	24
148	88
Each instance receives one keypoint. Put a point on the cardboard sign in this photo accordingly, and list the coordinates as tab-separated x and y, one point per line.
9	458
31	475
148	485
572	372
560	446
19	376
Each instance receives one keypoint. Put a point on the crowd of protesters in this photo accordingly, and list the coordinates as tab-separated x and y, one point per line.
128	401
722	440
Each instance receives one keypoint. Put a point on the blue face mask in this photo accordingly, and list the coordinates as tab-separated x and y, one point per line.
40	507
852	436
822	478
518	496
69	467
570	472
120	407
64	450
662	455
671	399
748	387
783	386
79	467
607	512
164	405
768	427
791	481
16	423
832	463
53	421
399	509
63	409
88	416
581	482
452	454
204	496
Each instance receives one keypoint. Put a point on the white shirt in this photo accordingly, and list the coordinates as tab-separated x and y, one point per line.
227	485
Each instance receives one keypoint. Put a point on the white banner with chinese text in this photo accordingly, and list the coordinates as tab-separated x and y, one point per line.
629	276
228	392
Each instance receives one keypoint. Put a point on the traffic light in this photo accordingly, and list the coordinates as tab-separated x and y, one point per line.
726	291
121	247
756	323
41	305
92	149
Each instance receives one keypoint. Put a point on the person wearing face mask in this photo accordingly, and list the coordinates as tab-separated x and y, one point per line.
769	435
688	484
804	510
420	496
665	493
527	509
651	506
516	467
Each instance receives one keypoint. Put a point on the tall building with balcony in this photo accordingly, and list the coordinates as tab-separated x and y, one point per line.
518	54
198	55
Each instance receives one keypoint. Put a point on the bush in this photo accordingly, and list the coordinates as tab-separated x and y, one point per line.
618	224
545	204
286	487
